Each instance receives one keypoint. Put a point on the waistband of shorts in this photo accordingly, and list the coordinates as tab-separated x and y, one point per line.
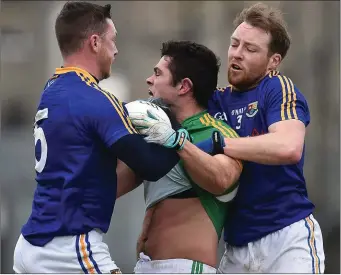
146	265
95	235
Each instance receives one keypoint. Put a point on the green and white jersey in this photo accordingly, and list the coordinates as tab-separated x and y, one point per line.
200	127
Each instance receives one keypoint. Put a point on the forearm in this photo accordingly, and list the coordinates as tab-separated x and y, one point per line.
149	161
212	173
272	149
127	180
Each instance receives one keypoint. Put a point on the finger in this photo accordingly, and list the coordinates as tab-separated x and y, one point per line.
133	115
153	114
149	139
141	123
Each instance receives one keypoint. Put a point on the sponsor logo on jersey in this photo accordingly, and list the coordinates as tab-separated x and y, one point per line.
221	116
237	112
252	109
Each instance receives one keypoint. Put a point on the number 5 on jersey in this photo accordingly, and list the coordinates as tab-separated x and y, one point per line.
40	136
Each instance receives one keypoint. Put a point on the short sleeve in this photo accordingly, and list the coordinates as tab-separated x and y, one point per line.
284	101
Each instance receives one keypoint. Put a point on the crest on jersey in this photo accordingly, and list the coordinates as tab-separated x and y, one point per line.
252	109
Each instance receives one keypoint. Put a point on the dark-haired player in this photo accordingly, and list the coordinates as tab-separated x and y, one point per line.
80	133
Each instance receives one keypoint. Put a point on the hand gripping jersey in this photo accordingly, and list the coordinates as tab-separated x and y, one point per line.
270	197
200	127
76	177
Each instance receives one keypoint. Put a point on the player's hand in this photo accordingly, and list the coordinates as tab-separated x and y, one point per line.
165	107
158	131
214	145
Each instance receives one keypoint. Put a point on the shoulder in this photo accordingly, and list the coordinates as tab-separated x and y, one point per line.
90	99
277	80
96	93
278	85
79	83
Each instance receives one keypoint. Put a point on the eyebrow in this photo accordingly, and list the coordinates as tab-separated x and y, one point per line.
247	43
156	70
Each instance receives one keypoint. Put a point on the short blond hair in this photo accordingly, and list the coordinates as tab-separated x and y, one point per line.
270	20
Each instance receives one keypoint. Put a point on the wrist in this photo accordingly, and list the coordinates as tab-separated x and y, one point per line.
219	144
181	139
177	139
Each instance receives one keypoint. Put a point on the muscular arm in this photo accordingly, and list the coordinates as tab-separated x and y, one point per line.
282	145
126	179
212	173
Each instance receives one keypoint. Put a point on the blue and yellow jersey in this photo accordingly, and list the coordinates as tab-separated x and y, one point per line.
270	197
75	124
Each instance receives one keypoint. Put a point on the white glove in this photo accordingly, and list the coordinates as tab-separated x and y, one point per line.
158	131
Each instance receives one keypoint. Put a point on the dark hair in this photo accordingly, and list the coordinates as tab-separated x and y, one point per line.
76	21
196	62
270	20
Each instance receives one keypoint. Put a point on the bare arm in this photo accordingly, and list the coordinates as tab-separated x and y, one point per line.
282	145
126	179
212	173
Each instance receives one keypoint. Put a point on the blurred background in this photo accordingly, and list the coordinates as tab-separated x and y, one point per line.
29	55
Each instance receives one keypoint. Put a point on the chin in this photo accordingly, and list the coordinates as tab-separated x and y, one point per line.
234	81
106	75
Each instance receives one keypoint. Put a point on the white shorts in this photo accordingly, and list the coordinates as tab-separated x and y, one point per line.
297	248
86	253
146	265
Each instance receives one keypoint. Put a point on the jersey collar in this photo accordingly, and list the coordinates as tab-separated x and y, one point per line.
64	70
195	117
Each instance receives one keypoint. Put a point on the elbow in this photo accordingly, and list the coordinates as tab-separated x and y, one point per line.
292	154
229	174
221	186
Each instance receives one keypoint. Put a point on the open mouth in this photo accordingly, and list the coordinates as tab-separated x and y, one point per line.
235	67
150	93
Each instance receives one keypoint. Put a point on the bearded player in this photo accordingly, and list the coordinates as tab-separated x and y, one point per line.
270	227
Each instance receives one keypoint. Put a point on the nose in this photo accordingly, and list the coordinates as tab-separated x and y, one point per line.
238	53
149	81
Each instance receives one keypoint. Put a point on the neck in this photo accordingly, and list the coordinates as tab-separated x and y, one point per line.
186	110
86	64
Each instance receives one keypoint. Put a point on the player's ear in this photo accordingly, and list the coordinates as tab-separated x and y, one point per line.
185	85
95	42
275	61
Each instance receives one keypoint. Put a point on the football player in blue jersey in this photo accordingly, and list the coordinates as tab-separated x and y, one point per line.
270	227
81	131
